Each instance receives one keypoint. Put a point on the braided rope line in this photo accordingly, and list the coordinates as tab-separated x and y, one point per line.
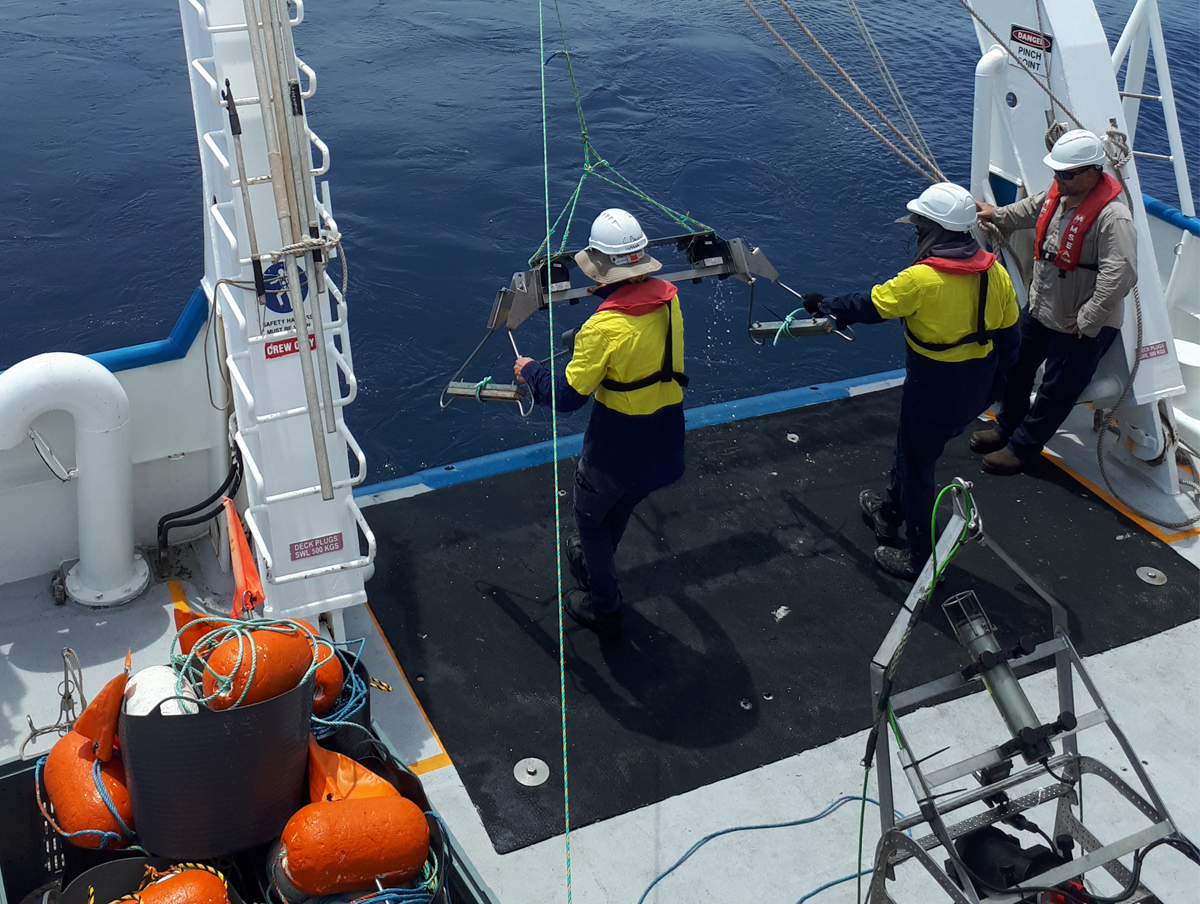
562	670
924	156
928	176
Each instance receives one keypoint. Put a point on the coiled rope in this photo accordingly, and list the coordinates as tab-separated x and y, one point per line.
190	668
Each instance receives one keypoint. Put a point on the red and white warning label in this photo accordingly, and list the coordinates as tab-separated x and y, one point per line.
317	546
1157	350
286	347
1032	48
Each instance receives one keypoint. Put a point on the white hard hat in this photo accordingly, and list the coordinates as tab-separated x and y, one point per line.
616	250
1076	148
947	204
617	232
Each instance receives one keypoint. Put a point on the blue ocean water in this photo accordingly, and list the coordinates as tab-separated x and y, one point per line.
432	112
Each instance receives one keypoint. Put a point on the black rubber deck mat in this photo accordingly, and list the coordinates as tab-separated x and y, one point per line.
753	610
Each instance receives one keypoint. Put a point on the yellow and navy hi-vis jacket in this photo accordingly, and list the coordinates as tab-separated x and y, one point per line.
635	433
939	301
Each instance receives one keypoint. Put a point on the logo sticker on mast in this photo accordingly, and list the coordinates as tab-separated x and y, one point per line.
1032	48
277	318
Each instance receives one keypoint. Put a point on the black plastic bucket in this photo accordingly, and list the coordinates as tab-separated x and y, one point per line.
119	878
209	783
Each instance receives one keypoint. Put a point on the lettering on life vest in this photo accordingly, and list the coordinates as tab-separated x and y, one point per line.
1031	47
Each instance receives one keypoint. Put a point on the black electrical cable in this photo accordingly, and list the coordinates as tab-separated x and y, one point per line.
1181	844
1054	775
232	483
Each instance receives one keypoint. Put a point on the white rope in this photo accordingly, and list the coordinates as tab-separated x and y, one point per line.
925	167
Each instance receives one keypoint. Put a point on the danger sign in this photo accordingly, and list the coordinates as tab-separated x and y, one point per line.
1032	48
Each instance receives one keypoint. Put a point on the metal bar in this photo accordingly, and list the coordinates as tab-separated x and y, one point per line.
1090	861
947	774
1162	72
1134	762
933	691
1157	97
1167	157
493	392
694	273
811	326
950	804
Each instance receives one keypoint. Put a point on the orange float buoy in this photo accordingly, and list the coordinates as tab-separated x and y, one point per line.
184	616
273	661
330	676
332	776
78	805
99	720
247	586
339	846
186	886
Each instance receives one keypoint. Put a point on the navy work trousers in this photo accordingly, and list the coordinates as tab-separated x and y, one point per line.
602	509
1071	362
939	401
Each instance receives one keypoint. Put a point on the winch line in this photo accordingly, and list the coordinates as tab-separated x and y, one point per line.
926	168
558	576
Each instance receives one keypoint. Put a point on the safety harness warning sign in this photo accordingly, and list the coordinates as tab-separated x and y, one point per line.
1032	48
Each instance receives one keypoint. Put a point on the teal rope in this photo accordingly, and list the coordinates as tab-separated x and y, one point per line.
190	669
479	387
562	671
836	805
787	325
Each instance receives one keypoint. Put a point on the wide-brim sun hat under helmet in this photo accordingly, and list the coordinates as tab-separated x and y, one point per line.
606	269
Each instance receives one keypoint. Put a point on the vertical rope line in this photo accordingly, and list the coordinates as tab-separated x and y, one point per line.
562	672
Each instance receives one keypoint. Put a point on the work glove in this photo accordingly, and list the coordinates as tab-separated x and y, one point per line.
812	303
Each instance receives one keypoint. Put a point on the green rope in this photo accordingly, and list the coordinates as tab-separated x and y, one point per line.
562	671
786	325
479	387
593	161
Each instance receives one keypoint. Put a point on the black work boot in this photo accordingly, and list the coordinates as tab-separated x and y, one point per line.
1005	462
986	441
897	562
578	605
575	562
872	508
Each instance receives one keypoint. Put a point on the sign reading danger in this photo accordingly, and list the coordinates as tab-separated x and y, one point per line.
1032	48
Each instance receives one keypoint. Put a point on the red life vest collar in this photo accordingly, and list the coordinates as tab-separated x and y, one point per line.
636	299
1070	240
978	262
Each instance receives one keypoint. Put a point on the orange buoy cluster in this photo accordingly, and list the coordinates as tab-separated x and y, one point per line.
356	830
261	663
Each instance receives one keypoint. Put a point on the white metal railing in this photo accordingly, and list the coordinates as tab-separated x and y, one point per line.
1143	33
260	541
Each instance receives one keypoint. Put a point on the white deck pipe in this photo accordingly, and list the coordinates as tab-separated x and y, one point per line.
108	572
987	82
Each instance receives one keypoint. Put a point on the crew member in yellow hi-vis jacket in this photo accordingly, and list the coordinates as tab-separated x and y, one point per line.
960	315
629	354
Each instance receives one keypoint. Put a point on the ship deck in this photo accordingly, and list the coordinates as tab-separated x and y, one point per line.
738	695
